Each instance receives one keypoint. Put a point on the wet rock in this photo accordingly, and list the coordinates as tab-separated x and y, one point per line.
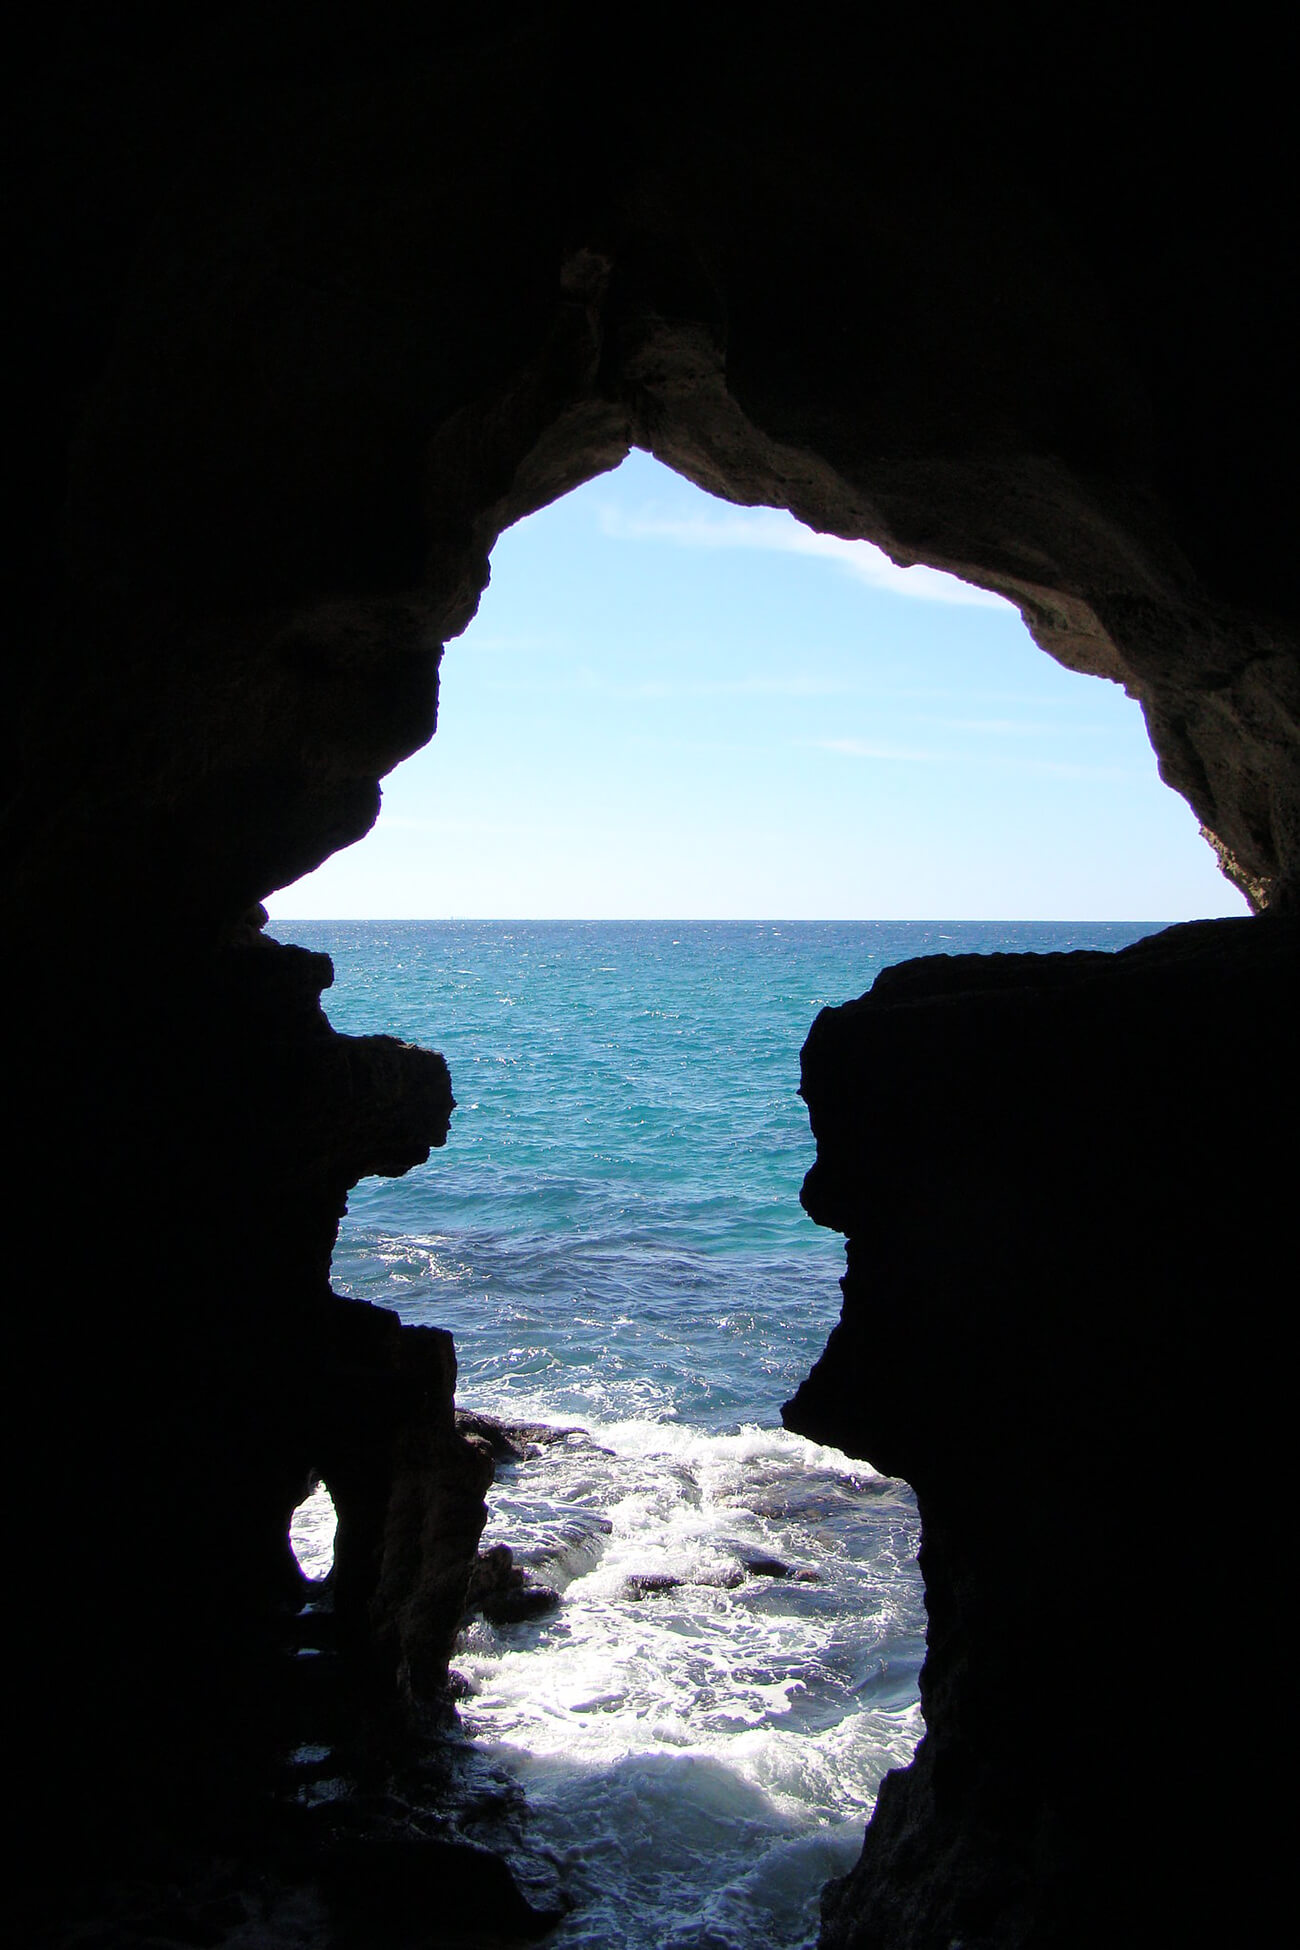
391	1888
395	1874
653	1584
650	1584
501	1442
516	1607
501	1591
759	1565
515	1441
573	1544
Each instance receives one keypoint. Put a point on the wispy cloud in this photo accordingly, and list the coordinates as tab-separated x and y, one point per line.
390	824
1064	768
993	761
999	727
486	640
1024	727
791	686
874	748
593	683
777	532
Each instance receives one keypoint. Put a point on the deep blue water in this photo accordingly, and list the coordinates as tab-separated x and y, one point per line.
613	1234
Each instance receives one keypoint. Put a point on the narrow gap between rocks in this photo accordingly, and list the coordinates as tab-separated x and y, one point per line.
311	1534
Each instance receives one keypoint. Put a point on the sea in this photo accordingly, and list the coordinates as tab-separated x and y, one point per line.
613	1235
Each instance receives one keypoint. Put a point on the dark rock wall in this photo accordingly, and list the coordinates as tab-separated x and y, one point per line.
335	312
188	1373
1057	1175
321	304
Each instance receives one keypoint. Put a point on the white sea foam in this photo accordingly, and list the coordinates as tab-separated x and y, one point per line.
701	1740
311	1534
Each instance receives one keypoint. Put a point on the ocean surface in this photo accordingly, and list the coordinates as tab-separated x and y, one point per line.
613	1234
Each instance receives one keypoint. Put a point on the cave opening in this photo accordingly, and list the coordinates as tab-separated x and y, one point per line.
319	319
312	1530
671	706
677	1603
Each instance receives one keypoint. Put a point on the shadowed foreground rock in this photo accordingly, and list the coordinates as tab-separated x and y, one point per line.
1059	1178
323	302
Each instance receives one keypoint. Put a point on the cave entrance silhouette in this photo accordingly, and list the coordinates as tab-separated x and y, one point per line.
702	1615
323	317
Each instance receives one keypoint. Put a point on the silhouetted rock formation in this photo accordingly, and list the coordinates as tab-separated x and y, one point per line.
1051	1171
323	306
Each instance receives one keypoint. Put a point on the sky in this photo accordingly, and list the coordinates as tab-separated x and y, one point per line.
669	707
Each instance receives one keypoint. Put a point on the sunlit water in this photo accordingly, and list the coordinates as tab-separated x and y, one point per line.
613	1235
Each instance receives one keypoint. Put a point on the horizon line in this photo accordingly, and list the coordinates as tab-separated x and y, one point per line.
751	920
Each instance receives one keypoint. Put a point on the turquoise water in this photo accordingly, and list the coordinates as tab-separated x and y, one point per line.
613	1234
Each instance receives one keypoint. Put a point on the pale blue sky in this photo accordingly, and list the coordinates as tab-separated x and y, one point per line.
669	707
